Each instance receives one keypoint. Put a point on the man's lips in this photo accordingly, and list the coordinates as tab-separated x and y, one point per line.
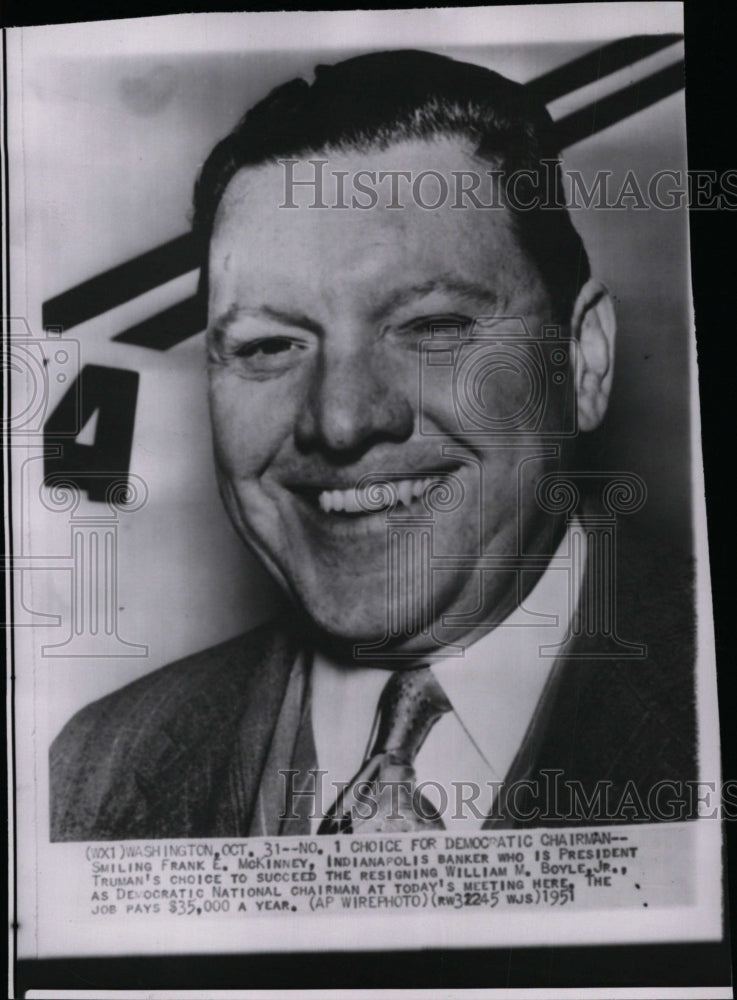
370	493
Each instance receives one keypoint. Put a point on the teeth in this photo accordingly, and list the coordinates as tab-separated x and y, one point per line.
404	491
355	501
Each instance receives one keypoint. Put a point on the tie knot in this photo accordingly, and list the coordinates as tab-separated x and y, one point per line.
411	703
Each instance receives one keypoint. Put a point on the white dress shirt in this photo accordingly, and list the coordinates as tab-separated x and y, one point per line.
494	689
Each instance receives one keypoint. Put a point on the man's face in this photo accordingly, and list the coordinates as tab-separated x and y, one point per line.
318	378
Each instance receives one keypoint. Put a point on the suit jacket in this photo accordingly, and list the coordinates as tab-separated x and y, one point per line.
180	752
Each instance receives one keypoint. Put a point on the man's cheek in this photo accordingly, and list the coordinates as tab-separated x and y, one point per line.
248	428
500	504
438	411
476	390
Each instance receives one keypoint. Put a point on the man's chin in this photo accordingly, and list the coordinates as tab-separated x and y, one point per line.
349	625
344	626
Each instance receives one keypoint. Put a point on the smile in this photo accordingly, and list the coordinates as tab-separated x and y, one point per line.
379	496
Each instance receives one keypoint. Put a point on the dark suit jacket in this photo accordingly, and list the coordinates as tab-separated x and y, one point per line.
180	752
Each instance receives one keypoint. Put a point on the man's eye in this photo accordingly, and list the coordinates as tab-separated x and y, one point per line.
448	325
269	354
274	345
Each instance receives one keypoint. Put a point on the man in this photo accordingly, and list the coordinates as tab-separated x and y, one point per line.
398	378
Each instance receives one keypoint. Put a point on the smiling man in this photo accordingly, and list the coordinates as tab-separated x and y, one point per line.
404	344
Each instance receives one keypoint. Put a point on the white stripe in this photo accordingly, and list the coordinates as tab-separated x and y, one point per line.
109	324
595	91
344	30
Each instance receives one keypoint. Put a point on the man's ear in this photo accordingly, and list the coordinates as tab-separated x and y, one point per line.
593	325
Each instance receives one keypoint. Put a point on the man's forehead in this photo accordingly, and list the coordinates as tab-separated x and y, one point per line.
334	176
335	251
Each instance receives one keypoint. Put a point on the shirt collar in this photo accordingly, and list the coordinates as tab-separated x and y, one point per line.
496	685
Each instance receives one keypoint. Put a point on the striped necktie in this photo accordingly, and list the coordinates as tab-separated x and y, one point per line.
382	797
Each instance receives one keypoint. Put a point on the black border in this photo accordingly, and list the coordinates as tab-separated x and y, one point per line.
711	82
645	966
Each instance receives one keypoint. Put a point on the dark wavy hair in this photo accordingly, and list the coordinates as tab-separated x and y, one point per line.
375	100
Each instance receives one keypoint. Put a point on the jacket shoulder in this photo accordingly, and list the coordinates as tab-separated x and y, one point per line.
107	754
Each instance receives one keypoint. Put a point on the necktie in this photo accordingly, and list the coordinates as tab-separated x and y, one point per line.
382	798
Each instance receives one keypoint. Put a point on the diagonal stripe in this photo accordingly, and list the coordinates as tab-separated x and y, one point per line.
625	102
168	328
185	319
597	64
119	284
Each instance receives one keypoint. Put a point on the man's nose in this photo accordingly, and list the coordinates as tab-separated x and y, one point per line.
353	401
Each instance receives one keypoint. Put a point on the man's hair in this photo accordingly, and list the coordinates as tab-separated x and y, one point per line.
373	101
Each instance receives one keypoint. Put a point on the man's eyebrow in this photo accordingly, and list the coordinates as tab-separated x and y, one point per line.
220	325
449	285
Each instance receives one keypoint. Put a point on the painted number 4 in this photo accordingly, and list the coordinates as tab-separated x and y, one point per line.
89	435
